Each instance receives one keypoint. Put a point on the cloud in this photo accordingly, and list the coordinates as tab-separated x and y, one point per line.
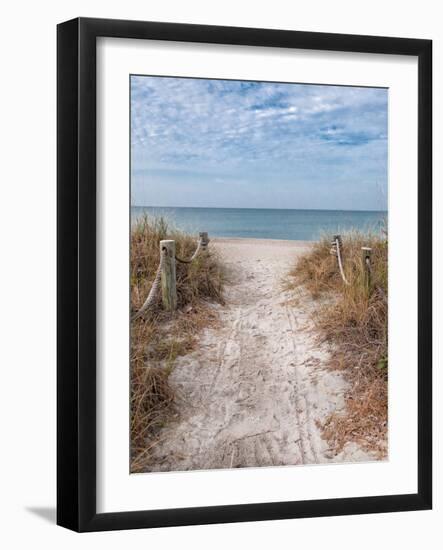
257	133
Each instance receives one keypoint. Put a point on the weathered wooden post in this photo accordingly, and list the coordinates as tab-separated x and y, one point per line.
169	289
366	259
203	236
338	238
334	248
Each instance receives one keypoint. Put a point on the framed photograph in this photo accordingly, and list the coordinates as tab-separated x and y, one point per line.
244	274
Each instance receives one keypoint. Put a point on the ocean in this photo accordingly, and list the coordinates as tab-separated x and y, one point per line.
266	223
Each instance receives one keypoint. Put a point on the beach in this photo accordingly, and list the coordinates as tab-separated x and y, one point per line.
265	223
257	387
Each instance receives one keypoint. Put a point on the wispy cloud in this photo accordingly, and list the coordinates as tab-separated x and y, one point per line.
315	146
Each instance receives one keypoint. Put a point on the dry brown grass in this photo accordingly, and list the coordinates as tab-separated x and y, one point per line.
353	320
159	337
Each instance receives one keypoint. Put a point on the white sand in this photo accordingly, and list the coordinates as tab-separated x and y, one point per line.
256	389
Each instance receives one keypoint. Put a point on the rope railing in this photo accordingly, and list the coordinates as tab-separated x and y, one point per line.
192	258
337	252
368	282
165	275
150	300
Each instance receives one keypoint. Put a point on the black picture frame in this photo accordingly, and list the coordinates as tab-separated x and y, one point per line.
76	279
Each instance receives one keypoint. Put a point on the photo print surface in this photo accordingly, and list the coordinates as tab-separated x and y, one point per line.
258	274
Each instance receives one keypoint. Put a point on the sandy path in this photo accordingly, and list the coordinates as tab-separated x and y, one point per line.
254	391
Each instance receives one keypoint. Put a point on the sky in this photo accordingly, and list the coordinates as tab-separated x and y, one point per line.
240	144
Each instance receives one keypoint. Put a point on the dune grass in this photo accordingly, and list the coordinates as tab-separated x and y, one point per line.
159	337
353	320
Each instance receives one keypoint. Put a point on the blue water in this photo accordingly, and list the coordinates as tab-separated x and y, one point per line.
263	223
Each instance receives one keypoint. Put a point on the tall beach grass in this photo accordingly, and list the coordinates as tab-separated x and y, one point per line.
159	337
353	320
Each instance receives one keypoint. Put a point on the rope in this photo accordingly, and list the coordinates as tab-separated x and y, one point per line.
150	300
335	250
197	250
340	265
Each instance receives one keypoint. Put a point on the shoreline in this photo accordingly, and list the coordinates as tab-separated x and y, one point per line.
273	251
272	225
261	241
145	207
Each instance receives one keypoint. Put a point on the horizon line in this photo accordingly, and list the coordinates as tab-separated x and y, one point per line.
256	208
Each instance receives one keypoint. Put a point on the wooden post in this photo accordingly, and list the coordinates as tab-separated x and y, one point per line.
169	289
366	259
204	239
338	238
333	251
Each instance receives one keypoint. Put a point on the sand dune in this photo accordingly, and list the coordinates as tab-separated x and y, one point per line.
256	389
